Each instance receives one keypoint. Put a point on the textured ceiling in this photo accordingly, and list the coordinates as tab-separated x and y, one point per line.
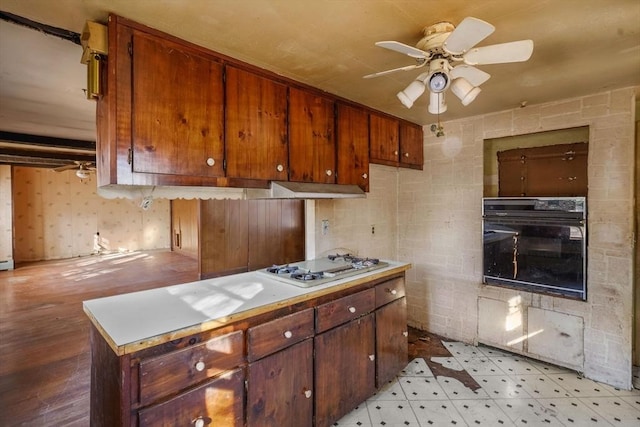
580	47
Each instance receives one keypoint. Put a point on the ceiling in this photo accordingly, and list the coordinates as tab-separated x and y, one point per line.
580	47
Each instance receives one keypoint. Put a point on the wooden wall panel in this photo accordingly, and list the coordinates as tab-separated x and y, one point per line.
184	226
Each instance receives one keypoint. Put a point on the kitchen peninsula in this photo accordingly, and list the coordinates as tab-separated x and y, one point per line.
246	348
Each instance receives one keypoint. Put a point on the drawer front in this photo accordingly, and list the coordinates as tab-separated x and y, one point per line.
342	310
219	402
275	335
389	291
173	372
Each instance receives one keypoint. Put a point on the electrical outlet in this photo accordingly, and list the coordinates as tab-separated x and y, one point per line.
373	229
325	227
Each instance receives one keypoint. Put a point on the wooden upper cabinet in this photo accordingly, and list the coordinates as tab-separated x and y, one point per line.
384	140
352	143
312	147
411	145
255	127
177	109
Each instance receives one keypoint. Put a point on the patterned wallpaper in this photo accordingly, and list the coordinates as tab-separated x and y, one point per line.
56	215
6	254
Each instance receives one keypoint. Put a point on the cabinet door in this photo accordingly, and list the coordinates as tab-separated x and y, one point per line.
411	145
312	147
344	369
256	127
177	109
352	142
218	402
383	140
391	341
279	390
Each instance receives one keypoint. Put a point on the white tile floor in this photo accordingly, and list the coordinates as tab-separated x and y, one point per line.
514	391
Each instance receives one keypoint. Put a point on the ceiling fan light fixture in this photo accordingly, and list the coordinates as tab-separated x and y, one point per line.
437	105
438	82
82	173
411	93
464	91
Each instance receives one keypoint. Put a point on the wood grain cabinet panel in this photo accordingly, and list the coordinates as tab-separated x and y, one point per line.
389	291
172	372
219	402
342	310
275	335
256	126
280	388
312	146
177	109
411	145
391	341
344	369
384	139
352	144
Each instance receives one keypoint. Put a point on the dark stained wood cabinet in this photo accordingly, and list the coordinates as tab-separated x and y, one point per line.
275	367
384	139
177	109
547	171
344	369
411	145
352	145
312	146
391	335
280	375
161	119
255	126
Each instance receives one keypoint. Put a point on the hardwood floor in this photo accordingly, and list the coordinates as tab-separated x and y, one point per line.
44	333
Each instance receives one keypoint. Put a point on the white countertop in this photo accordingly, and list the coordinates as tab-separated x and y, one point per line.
128	321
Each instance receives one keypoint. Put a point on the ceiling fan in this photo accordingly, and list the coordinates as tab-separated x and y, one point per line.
83	169
450	54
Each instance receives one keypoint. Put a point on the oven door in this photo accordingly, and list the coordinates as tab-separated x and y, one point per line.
536	254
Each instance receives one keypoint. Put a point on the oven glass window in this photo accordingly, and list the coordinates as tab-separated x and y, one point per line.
543	256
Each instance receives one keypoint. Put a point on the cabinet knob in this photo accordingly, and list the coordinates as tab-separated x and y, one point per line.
392	291
211	161
406	154
328	172
279	168
198	422
200	366
352	309
395	153
288	334
307	394
372	357
405	334
365	176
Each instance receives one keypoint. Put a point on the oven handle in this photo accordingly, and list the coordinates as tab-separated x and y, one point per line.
537	221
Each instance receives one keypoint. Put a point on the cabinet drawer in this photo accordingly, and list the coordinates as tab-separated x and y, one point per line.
270	337
342	310
389	291
218	402
172	372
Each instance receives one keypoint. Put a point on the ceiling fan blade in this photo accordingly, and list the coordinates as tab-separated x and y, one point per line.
383	73
467	34
473	75
65	168
500	53
403	48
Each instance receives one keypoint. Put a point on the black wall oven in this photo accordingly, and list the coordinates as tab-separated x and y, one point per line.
537	244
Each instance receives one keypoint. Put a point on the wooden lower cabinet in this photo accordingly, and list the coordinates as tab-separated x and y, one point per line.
344	369
280	388
391	341
218	402
305	364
